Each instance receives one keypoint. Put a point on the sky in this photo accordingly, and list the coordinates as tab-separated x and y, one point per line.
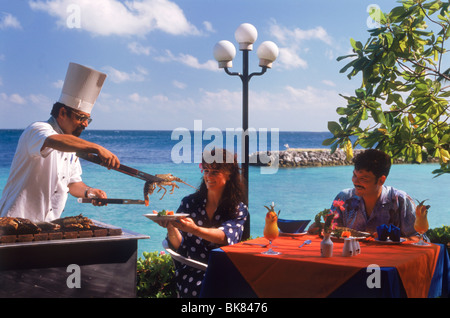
158	57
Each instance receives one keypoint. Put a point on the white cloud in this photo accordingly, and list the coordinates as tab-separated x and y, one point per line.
288	58
188	60
179	85
285	35
13	98
7	20
329	83
139	49
137	98
113	17
292	44
208	26
39	100
58	84
117	76
292	108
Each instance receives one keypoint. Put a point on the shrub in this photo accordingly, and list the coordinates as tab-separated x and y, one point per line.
440	235
155	276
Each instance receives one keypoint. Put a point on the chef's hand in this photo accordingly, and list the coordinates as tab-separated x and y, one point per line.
109	159
96	193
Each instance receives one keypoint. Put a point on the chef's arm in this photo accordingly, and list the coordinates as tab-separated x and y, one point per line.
70	143
81	190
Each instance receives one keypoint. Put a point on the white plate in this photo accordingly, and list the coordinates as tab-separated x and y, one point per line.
389	241
156	217
292	234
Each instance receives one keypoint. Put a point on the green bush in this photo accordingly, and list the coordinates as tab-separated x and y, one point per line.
155	276
440	235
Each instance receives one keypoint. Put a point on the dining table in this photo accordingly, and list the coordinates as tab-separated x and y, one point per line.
382	269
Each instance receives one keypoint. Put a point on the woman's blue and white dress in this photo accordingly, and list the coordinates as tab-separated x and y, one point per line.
189	280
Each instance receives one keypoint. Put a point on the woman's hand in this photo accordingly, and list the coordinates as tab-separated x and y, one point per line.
163	223
186	225
213	235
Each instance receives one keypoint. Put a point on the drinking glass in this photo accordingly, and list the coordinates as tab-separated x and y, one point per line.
271	237
421	226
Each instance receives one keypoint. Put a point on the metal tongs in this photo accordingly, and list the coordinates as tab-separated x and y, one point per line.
112	201
124	169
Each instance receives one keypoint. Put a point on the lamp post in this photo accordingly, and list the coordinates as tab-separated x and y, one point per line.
224	52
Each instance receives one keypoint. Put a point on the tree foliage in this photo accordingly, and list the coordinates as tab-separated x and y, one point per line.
403	97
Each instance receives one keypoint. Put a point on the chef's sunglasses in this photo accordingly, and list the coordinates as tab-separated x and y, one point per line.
81	118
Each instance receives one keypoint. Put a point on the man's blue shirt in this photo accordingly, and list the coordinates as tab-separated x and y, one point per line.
393	207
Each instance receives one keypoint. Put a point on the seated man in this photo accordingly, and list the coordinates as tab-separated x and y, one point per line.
370	203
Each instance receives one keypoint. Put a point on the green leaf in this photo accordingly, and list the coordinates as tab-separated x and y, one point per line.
356	45
329	141
346	67
341	110
378	116
334	128
340	58
397	14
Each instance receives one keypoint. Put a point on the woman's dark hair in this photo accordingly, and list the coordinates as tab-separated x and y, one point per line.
376	161
234	192
56	108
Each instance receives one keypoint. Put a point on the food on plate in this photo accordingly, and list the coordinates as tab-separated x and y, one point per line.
339	232
346	234
17	226
163	212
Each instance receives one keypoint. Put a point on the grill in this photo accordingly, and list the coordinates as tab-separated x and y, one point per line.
39	265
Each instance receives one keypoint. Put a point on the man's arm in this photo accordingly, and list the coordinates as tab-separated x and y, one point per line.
81	190
70	143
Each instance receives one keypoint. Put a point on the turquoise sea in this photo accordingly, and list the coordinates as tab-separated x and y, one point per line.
298	192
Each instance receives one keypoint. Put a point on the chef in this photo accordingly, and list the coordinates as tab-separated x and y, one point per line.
45	167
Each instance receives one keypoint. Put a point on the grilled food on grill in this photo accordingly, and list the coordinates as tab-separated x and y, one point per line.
48	227
17	226
74	222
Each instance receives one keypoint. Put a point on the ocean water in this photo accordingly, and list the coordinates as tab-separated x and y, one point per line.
298	192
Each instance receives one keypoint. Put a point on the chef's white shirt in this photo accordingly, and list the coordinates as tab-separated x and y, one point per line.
37	187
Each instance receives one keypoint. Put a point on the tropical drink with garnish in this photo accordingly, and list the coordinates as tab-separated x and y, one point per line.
271	228
421	223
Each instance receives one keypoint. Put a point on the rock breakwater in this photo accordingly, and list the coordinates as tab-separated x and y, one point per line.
306	158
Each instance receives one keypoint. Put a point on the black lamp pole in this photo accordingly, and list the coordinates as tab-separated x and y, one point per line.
245	78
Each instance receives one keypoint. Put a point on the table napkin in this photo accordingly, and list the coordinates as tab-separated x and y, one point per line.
388	232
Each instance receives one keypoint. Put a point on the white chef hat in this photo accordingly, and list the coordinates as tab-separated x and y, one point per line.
81	87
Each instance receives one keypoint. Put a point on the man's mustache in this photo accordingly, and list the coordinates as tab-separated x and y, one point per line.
359	187
78	131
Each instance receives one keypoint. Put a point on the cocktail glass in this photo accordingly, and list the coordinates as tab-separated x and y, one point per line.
421	226
270	251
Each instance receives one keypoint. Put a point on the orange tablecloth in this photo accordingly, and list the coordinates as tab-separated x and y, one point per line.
281	275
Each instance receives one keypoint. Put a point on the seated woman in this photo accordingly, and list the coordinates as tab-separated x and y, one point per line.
217	214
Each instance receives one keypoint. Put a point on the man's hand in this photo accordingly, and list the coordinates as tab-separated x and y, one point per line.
97	193
109	159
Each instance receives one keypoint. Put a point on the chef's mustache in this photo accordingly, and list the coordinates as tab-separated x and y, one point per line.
78	131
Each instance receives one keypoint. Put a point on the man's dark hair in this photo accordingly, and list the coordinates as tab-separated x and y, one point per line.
376	161
56	107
